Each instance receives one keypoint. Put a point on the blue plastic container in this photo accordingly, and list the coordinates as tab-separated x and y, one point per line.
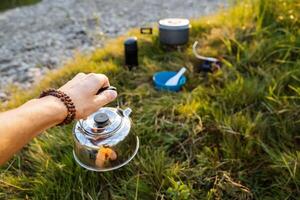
160	78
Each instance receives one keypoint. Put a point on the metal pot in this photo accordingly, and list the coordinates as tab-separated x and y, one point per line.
103	141
174	31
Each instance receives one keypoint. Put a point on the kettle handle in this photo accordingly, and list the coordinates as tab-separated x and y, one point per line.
106	88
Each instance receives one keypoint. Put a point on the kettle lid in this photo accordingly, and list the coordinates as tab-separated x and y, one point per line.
103	123
174	23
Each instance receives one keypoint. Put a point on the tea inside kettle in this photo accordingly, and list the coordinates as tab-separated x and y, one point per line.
104	141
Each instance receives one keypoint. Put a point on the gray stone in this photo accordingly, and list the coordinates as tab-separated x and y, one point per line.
3	96
23	66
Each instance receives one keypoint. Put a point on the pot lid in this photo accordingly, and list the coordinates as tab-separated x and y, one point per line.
174	23
103	123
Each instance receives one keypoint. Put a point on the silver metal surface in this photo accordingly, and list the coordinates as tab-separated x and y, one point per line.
127	112
111	168
110	147
173	37
174	31
89	125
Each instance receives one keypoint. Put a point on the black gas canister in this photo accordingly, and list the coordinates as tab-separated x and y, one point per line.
131	52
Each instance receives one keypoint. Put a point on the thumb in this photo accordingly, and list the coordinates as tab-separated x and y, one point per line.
105	97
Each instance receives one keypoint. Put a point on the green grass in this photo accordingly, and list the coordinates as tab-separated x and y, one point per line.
9	4
229	135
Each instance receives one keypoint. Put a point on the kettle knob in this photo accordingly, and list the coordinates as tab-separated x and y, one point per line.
101	120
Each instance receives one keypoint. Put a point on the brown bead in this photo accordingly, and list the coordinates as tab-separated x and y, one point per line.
66	100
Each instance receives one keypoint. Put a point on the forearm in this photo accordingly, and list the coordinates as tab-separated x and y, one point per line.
19	126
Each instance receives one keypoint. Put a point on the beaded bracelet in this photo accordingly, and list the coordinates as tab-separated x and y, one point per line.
66	100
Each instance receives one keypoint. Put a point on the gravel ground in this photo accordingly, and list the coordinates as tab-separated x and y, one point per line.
39	38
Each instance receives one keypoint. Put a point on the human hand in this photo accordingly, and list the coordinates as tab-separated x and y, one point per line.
82	89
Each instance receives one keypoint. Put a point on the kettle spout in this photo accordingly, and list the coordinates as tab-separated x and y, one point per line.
127	112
